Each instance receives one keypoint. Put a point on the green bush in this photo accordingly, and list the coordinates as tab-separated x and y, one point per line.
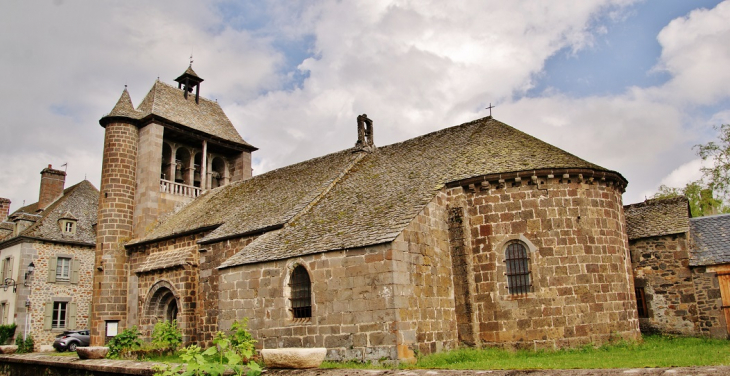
122	345
166	336
25	346
233	353
7	332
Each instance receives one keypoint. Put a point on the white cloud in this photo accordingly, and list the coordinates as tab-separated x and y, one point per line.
413	66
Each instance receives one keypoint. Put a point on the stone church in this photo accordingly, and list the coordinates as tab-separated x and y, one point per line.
477	234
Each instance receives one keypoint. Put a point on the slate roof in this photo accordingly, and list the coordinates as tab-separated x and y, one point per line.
657	217
353	199
263	201
167	259
80	201
710	240
169	102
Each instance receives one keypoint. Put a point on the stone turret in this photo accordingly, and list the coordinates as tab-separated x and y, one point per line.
115	219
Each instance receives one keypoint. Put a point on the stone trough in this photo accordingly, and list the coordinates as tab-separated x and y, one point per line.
92	352
294	357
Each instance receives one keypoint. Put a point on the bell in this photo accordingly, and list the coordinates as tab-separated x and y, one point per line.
196	176
178	173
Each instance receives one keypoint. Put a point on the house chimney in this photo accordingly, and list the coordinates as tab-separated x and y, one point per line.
4	208
52	182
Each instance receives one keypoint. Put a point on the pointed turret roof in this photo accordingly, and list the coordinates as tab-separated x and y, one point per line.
189	73
124	107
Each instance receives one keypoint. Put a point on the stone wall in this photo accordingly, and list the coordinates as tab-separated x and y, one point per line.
661	268
352	303
711	320
162	267
422	286
43	292
582	291
210	282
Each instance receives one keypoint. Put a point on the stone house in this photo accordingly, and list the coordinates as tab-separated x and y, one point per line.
476	234
680	266
47	259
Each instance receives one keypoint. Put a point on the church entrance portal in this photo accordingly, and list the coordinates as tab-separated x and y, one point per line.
162	305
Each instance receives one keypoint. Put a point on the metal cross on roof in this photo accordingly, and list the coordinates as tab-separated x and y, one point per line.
490	109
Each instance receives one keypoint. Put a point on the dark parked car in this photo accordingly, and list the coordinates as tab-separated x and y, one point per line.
71	339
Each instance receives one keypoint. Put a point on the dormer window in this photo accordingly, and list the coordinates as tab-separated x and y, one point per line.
67	223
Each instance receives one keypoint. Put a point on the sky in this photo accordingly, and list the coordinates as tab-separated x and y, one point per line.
627	84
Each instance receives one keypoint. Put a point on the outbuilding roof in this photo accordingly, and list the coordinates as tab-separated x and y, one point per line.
657	217
710	240
355	198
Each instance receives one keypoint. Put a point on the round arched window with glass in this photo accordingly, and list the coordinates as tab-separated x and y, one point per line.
517	261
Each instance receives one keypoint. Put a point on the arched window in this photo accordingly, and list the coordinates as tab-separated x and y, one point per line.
301	293
518	268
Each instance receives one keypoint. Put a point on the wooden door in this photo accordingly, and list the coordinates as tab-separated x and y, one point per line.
724	280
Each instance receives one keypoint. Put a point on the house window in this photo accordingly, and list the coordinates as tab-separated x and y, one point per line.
68	225
63	269
518	269
3	313
301	293
58	320
7	269
641	303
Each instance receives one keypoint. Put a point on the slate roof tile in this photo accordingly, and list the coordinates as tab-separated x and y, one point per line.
79	201
357	203
657	217
263	201
166	259
206	116
710	240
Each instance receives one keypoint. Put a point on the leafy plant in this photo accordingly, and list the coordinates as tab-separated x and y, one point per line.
166	336
7	332
25	346
121	345
229	353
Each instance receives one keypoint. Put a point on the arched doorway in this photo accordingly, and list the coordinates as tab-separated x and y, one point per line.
162	304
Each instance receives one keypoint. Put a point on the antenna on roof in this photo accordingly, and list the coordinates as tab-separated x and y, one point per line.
191	57
65	165
490	109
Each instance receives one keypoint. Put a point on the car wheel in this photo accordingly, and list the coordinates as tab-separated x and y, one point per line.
72	346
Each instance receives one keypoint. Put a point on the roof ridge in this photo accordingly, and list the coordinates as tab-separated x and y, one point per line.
326	190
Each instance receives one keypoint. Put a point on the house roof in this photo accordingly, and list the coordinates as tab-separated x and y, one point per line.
657	217
354	198
711	240
168	102
79	201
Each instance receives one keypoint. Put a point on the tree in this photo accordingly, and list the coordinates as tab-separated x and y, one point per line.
717	177
708	195
701	200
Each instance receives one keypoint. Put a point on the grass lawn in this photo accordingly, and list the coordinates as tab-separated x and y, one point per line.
654	351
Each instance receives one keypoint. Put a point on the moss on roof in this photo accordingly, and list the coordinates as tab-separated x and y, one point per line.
206	116
79	201
657	217
384	191
263	201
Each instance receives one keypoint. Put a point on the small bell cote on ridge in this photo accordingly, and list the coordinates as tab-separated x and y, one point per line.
188	81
